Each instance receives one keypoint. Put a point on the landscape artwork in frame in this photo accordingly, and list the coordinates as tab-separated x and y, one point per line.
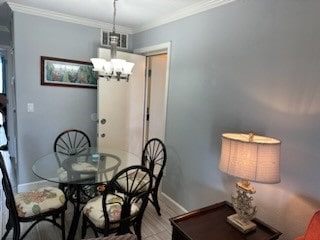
67	73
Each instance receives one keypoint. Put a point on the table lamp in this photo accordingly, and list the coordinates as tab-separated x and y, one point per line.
251	158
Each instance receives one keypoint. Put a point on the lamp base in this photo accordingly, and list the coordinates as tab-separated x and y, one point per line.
244	227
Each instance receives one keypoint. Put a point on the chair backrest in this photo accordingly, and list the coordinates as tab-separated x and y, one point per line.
313	230
71	142
154	157
7	188
131	186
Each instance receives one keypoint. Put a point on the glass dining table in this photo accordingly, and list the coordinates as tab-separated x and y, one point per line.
82	168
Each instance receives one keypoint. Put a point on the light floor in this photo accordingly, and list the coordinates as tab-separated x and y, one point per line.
154	227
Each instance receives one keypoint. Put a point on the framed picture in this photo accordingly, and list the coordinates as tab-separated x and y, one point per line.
67	73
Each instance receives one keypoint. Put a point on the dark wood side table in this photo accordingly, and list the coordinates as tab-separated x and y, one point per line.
210	223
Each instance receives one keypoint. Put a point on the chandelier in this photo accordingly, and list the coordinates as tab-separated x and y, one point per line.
115	68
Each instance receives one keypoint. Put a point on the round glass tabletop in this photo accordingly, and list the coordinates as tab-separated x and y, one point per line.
84	166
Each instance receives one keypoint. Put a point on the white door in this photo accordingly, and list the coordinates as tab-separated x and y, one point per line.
121	107
157	100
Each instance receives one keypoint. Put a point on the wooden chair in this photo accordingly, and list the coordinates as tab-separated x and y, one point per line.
67	143
154	157
121	205
313	230
35	206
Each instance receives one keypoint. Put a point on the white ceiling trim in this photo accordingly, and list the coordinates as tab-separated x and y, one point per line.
185	12
65	17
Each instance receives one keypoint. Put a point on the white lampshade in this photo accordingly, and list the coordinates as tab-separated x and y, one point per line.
108	68
118	65
98	64
112	68
254	159
127	68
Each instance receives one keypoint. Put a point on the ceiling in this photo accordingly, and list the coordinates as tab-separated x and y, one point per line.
132	14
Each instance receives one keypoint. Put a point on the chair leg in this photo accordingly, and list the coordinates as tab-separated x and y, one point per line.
155	202
29	229
137	230
63	226
84	226
16	232
8	229
5	235
9	226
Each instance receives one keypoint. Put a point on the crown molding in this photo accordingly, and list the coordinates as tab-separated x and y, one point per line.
4	28
65	17
184	12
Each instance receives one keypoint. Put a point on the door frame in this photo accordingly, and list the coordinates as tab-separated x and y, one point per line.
163	48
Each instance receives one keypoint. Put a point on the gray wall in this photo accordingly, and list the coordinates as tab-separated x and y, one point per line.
5	16
246	66
56	108
4	38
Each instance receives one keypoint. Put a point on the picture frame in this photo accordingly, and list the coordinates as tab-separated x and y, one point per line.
67	73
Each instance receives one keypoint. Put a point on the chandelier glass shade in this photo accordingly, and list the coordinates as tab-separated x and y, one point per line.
115	68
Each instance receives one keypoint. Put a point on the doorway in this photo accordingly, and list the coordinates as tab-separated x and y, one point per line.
122	106
155	96
8	87
1	82
1	72
158	59
3	102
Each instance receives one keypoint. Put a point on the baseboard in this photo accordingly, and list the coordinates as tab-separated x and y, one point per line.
172	204
25	187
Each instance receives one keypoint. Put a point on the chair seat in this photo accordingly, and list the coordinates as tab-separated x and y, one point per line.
93	209
39	201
